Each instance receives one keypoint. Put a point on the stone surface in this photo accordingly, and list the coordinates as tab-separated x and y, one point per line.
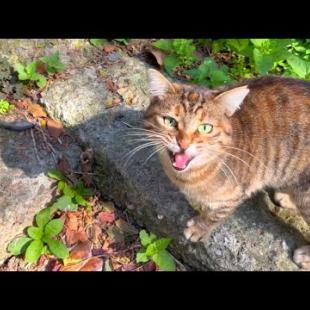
250	240
24	187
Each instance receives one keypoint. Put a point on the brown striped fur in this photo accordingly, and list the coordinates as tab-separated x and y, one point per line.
267	138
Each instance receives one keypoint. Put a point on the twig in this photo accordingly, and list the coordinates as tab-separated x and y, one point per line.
47	143
77	172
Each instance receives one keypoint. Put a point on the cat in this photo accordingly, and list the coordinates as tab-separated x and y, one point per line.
220	146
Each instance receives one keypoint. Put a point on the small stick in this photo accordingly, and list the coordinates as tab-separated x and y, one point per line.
35	146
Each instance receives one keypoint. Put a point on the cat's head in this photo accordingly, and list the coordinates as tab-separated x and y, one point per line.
190	124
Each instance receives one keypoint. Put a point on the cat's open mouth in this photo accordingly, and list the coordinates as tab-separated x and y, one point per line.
180	160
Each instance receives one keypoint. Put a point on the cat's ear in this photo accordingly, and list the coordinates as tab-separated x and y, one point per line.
232	99
159	85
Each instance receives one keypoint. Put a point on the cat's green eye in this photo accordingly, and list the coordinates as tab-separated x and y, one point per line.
205	128
170	121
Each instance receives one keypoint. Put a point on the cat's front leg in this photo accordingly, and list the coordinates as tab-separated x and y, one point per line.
199	227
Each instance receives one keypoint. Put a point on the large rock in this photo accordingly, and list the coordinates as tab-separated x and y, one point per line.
250	240
24	186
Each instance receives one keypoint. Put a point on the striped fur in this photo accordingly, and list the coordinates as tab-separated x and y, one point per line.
265	143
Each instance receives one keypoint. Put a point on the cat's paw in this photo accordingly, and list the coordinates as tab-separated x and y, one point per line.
197	229
302	257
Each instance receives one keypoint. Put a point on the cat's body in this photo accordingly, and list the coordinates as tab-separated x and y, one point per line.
221	146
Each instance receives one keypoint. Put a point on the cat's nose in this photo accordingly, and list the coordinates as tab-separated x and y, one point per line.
184	143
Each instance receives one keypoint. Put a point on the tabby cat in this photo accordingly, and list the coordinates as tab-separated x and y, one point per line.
221	146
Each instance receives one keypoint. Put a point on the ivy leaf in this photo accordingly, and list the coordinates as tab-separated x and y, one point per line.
171	62
219	77
40	80
44	216
263	63
157	246
164	44
35	233
54	63
65	203
53	228
57	248
145	238
18	246
31	69
56	175
80	201
164	261
141	257
34	251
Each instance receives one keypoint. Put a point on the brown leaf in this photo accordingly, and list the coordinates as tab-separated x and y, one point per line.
94	232
158	54
41	67
93	264
55	128
73	267
72	221
64	167
22	104
150	266
73	236
107	217
109	48
111	86
81	251
36	110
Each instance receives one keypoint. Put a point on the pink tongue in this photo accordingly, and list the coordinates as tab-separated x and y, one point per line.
180	160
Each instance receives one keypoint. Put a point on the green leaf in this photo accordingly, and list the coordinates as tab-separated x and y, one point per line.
141	257
44	216
219	77
40	80
57	248
54	63
80	201
68	191
171	62
98	42
53	228
65	203
34	251
263	63
61	185
298	65
123	41
56	175
31	69
18	246
260	42
157	246
35	233
21	70
145	238
164	261
238	44
164	44
82	190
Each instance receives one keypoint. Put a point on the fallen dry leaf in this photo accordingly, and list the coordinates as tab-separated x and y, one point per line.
111	86
107	217
64	167
55	128
22	104
72	221
158	55
125	227
150	266
41	67
81	251
36	110
93	264
73	236
109	48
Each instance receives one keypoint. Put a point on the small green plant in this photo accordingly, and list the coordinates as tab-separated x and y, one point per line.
5	106
72	196
53	62
210	74
122	41
98	42
29	72
41	238
155	249
180	53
